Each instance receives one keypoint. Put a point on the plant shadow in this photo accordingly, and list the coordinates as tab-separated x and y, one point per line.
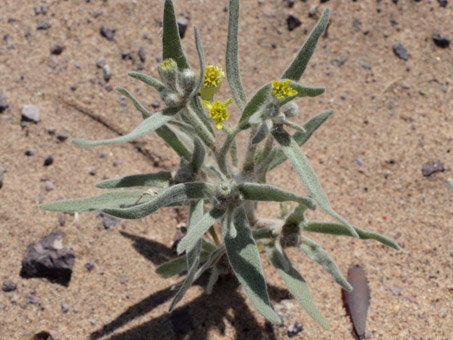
196	319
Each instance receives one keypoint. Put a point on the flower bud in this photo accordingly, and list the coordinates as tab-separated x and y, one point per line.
171	99
290	109
168	72
186	82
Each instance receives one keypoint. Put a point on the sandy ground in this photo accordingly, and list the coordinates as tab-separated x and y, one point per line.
391	118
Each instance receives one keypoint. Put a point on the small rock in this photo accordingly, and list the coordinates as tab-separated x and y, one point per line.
295	328
124	280
48	160
56	48
30	152
2	171
364	65
64	307
182	26
11	46
9	286
92	172
74	87
140	66
357	23
62	137
50	259
30	113
396	290
142	54
358	161
3	103
89	266
290	3
441	40
100	62
41	198
393	21
31	300
108	33
93	322
127	55
340	60
49	186
61	221
51	131
313	11
44	10
449	182
43	25
109	221
45	335
292	22
155	104
96	14
107	72
443	3
430	168
401	52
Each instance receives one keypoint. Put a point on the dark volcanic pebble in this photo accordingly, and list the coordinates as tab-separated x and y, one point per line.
3	103
108	33
50	259
56	48
295	328
182	25
89	266
155	104
62	137
9	286
142	54
30	113
293	22
441	40
127	55
401	52
430	168
109	221
48	160
61	221
43	25
64	307
30	152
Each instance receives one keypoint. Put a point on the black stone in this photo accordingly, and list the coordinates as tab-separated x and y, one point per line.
30	152
89	266
182	26
295	329
62	137
142	54
155	104
109	222
56	48
48	258
441	40
430	168
290	3
108	33
43	25
48	160
293	22
9	286
401	52
3	103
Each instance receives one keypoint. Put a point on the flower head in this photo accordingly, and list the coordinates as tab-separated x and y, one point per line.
217	111
168	65
213	78
281	89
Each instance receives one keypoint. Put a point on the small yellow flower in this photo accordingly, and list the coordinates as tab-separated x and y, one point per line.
217	111
281	89
213	78
168	64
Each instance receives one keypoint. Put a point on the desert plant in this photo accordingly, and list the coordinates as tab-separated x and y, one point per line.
212	175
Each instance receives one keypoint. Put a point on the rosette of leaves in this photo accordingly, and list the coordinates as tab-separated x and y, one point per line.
219	188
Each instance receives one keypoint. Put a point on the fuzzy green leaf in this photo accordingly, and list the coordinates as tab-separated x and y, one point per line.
159	179
315	252
202	59
255	104
262	132
295	126
213	278
174	194
198	156
245	260
297	286
297	67
195	215
148	125
177	266
300	137
149	80
306	90
171	42
340	229
169	135
267	192
196	232
113	199
186	285
145	112
232	61
308	176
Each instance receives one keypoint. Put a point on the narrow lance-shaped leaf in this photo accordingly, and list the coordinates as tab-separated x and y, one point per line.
213	279
159	179
171	42
297	67
340	229
297	287
174	194
149	80
114	199
306	173
170	137
198	156
267	192
196	232
232	61
301	137
202	59
145	112
245	260
306	90
315	252
195	215
148	125
186	285
256	103
177	266
262	132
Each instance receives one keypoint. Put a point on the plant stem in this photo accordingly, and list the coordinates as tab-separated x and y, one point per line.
200	129
249	161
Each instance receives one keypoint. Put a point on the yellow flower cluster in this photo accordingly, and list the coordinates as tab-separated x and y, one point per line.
281	89
168	64
217	111
213	76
